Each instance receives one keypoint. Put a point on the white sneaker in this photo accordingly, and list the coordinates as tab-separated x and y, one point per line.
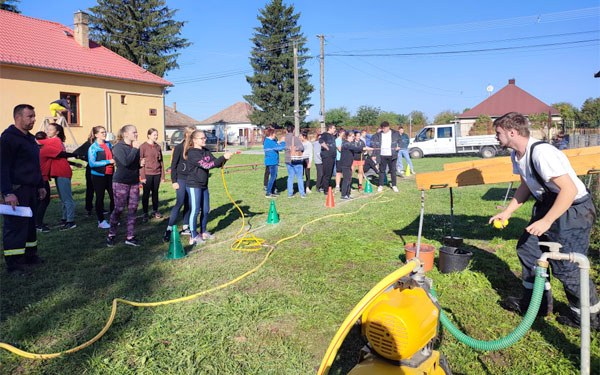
337	189
103	225
395	189
380	189
308	190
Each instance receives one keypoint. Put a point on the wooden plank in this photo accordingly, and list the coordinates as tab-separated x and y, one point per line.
493	174
506	159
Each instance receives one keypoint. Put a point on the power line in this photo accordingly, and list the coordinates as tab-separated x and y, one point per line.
463	51
477	42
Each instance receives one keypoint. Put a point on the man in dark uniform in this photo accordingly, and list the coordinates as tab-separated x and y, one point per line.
563	213
21	184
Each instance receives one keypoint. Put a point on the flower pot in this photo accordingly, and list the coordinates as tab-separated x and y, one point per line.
426	254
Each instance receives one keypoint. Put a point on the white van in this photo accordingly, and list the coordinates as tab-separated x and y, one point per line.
443	139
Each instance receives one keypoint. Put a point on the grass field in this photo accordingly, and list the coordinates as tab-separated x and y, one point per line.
280	319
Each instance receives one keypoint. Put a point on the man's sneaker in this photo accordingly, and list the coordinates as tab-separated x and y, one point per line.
110	241
264	188
275	193
157	215
103	224
185	232
303	196
380	189
69	225
88	214
132	242
269	195
145	218
395	189
290	196
167	236
34	259
42	228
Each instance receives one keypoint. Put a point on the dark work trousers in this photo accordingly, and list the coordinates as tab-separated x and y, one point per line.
42	205
346	180
181	199
151	186
306	174
389	162
102	184
319	175
89	189
328	164
18	233
572	231
266	177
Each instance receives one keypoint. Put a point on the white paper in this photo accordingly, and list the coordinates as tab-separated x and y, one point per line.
6	209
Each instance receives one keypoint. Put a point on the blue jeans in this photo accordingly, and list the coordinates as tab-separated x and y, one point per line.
181	199
404	154
199	200
272	178
295	170
63	185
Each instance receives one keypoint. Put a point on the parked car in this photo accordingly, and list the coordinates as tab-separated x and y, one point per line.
211	141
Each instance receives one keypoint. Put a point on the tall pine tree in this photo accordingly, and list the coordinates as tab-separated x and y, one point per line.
142	31
273	62
10	5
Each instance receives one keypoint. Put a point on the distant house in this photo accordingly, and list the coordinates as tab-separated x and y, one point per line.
510	98
175	120
235	119
43	61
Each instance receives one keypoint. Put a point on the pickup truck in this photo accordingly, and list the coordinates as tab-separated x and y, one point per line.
443	139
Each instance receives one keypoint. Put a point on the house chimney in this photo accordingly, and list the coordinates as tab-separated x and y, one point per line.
174	107
511	81
82	29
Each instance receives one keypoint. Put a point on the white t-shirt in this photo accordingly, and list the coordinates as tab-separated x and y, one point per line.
308	151
549	162
386	144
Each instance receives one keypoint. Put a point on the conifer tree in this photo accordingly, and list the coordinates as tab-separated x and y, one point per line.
273	62
10	5
142	31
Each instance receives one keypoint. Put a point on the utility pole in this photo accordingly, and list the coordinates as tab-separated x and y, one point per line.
322	117
296	100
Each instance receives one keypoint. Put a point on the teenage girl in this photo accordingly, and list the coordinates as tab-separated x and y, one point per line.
198	161
102	167
152	173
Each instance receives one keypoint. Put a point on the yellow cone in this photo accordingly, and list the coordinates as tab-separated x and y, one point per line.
407	172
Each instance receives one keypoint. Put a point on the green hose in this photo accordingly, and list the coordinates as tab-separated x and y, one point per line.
514	336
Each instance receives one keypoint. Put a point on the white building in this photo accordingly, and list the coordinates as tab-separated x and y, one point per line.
233	120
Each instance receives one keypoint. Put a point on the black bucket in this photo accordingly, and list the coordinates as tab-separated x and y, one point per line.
453	259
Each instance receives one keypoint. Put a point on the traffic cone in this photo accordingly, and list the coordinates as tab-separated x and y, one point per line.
368	187
330	202
273	217
407	172
175	248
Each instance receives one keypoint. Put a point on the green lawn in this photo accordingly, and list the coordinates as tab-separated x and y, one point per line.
280	319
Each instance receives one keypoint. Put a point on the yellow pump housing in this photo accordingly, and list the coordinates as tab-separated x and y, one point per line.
399	323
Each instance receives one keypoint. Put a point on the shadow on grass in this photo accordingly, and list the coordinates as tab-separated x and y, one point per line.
231	214
497	194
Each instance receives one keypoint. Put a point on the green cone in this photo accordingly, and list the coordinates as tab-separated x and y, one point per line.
368	186
273	216
175	248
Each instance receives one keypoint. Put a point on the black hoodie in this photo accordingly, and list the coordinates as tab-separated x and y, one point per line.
19	160
198	162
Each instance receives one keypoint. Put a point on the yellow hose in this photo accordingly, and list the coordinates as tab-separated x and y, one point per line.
357	311
113	312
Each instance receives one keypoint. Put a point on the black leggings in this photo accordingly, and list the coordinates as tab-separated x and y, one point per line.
89	190
151	185
266	178
306	174
346	180
43	206
102	184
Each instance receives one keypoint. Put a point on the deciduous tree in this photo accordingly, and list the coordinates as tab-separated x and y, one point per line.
445	117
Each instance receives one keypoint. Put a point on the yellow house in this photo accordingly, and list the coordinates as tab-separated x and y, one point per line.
43	61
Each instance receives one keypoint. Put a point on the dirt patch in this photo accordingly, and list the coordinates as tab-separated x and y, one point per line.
497	358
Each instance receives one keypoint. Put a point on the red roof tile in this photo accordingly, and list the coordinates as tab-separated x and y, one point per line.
234	114
509	99
43	44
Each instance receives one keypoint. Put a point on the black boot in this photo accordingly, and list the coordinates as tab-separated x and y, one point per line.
573	320
520	305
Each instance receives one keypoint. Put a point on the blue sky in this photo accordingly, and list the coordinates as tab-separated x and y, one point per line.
221	33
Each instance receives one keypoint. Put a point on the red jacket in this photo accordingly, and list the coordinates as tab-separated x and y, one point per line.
52	165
